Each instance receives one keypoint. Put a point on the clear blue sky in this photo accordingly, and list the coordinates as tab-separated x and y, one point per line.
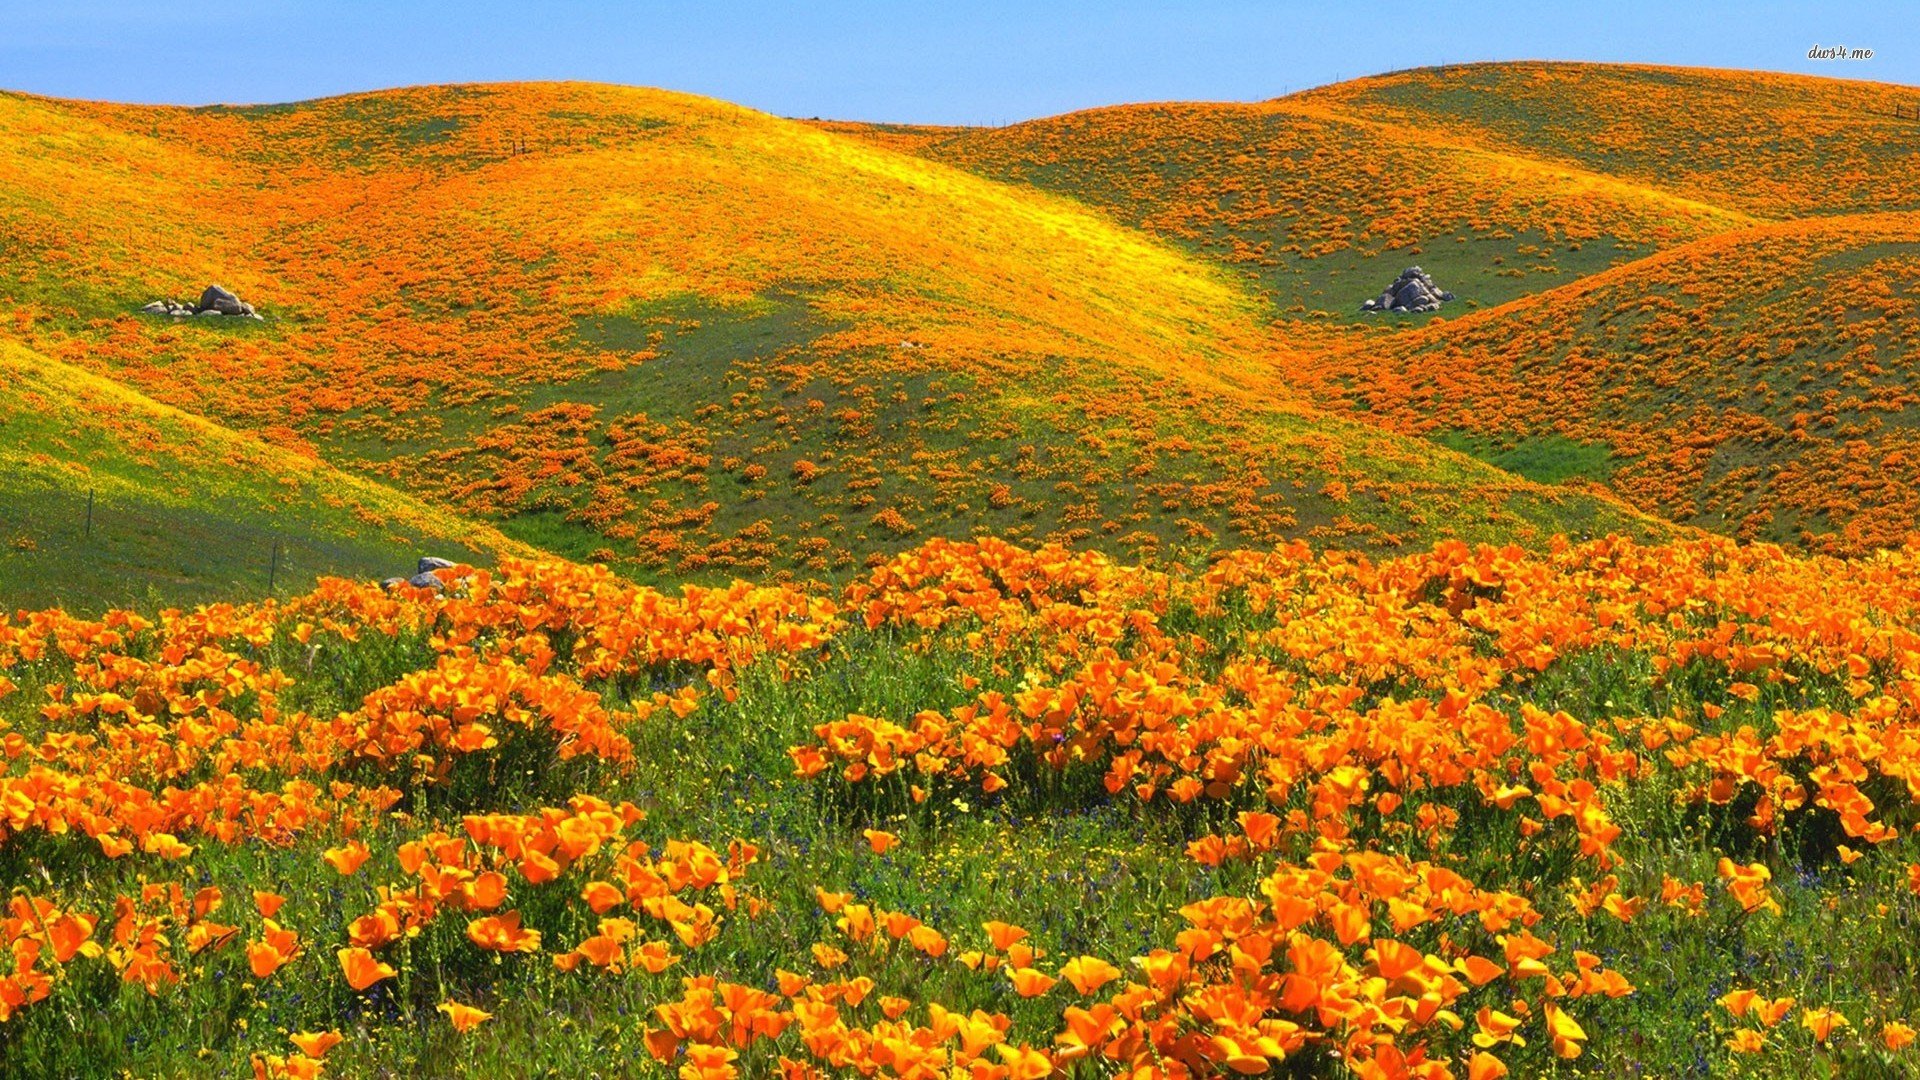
959	61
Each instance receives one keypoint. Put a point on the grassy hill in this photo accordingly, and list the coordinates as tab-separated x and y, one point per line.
1759	382
1320	207
108	498
1763	143
1707	253
686	338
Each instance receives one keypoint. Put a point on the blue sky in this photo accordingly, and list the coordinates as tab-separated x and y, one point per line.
964	61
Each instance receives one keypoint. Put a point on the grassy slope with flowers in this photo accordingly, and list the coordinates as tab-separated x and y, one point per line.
1319	208
991	812
184	510
688	339
1768	144
1784	354
1724	252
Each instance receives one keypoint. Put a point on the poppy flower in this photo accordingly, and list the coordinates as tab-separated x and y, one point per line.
315	1044
348	859
463	1017
361	969
503	933
1088	974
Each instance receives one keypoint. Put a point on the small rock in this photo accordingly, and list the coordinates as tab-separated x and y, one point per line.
208	312
429	562
426	581
389	583
157	307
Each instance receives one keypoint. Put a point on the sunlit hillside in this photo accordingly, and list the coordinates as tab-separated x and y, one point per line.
182	510
1767	144
1707	299
682	337
1760	383
1321	207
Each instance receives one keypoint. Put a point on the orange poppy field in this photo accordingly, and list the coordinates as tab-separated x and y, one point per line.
964	603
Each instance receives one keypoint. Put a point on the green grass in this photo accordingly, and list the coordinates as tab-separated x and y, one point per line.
184	512
1544	459
144	552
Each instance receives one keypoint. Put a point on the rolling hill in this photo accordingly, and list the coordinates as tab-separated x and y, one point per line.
933	795
692	340
685	338
1640	251
1319	207
109	498
1760	382
1763	143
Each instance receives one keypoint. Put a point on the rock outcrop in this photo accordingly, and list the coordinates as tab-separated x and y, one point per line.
1412	291
423	575
214	300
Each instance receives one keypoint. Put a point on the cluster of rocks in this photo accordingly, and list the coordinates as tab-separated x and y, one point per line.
1412	291
423	575
214	301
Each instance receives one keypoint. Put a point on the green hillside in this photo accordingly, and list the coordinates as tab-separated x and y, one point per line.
182	511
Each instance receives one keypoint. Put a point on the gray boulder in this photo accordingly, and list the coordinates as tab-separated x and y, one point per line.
430	563
1411	297
426	581
1412	291
389	583
218	299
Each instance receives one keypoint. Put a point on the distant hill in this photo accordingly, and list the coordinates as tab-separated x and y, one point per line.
1322	206
1761	382
685	338
1762	143
1691	286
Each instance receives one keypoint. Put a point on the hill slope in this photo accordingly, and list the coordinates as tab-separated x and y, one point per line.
683	337
107	497
1688	251
1761	382
1767	144
1323	207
